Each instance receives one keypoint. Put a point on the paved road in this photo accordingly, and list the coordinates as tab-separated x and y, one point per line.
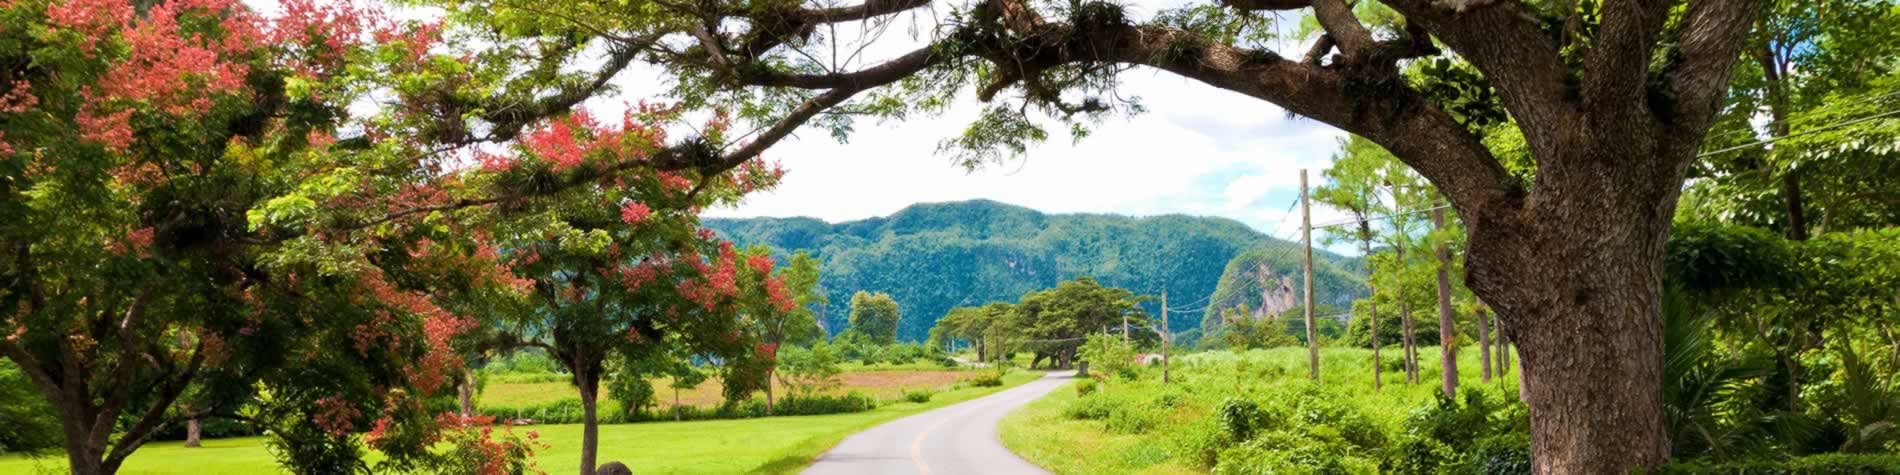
959	439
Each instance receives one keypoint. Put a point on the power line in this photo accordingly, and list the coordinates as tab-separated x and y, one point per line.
1793	121
1824	128
1386	216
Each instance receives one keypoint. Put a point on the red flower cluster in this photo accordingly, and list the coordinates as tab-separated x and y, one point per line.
555	142
634	212
92	18
778	295
761	264
336	415
322	31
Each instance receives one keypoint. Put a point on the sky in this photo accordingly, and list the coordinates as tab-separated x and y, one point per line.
1196	150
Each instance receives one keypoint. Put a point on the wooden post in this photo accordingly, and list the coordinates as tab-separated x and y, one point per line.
1306	240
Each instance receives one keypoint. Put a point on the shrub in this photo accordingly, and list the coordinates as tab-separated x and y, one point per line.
1123	412
1201	442
1238	418
918	396
1830	464
987	380
1085	387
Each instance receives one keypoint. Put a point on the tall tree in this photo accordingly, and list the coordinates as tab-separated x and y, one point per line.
875	316
620	265
1353	186
181	229
1447	323
1613	105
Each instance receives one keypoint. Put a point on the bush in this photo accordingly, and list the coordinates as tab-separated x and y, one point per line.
987	380
919	396
1482	435
1830	464
1122	412
821	404
1085	387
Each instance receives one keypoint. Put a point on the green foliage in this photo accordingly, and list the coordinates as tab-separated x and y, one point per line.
27	423
1824	464
936	257
808	370
987	379
919	396
1108	354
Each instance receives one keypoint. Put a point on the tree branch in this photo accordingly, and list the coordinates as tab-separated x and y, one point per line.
1711	39
1266	5
1340	23
1502	38
1617	67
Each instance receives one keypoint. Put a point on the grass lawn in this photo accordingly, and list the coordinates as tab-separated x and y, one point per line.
764	445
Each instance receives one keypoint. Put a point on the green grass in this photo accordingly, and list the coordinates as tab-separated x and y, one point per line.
764	445
1038	432
1041	433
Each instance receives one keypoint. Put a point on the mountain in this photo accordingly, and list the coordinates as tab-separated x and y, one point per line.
935	256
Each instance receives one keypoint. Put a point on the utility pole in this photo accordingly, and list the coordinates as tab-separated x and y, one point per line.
1306	240
1166	335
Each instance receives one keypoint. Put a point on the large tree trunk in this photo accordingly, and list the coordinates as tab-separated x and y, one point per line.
1579	291
768	392
194	433
466	393
1447	329
85	449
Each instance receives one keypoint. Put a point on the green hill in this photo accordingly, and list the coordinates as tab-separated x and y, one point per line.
936	256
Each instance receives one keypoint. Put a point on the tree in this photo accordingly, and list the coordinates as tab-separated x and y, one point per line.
620	266
1352	184
1613	101
166	255
874	315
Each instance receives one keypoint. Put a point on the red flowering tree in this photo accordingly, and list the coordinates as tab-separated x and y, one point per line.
179	220
613	251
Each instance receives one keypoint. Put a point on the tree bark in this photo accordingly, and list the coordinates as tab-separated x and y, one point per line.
589	382
193	433
1372	306
1405	319
676	403
768	392
1484	345
466	393
1579	291
1447	328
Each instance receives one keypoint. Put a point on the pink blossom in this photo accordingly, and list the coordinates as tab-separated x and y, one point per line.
635	212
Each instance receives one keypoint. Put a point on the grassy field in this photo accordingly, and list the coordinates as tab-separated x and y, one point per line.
764	445
1045	433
